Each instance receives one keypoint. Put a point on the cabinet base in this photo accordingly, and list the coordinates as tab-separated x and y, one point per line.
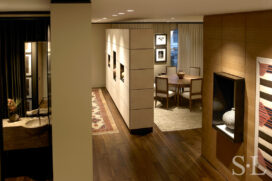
141	131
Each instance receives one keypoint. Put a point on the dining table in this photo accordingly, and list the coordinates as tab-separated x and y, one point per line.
179	83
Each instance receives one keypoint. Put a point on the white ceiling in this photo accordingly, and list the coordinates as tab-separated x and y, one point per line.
172	10
149	10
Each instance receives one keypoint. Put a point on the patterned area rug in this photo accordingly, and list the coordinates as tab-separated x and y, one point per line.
102	120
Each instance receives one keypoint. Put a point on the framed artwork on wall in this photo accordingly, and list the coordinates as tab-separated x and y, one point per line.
28	87
29	104
160	55
28	65
49	63
28	47
160	39
263	116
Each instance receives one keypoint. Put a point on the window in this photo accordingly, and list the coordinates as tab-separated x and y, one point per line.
174	47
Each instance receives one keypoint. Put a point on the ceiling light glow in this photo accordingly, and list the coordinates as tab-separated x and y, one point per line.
121	13
114	15
130	10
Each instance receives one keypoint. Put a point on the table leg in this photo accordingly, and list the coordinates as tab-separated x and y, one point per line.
178	96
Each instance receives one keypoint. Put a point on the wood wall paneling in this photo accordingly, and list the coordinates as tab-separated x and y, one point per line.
141	118
140	59
141	39
143	98
232	43
140	80
259	44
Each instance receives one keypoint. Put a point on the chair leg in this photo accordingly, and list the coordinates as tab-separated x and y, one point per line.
167	103
190	105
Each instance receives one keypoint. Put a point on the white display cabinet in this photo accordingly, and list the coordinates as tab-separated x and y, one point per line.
130	82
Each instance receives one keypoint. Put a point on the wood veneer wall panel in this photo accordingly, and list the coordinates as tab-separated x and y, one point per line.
142	99
141	59
216	59
141	38
212	60
233	44
141	118
259	44
141	79
244	37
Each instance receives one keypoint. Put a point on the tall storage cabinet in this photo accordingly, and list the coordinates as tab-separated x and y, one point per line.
129	75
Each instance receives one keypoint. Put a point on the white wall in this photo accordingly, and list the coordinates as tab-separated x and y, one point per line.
158	28
133	97
98	55
71	92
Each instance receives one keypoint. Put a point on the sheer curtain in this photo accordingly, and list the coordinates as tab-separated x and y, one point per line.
190	47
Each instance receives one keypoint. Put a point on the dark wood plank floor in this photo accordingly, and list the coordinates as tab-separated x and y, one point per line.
158	156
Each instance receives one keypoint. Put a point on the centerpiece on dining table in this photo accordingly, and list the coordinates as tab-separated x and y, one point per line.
180	75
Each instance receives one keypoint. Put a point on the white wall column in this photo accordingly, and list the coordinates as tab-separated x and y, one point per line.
71	91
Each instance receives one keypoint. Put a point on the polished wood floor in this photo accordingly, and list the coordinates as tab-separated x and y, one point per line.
158	156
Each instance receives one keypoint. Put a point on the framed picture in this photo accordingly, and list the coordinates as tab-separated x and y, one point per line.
160	55
28	87
27	47
160	39
29	104
28	65
263	115
49	63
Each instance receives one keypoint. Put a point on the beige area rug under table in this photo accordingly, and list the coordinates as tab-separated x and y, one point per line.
177	118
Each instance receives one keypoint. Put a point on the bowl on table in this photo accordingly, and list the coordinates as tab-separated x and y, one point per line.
180	75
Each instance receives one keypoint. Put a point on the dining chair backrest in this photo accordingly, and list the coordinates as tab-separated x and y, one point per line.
161	85
194	71
196	86
171	70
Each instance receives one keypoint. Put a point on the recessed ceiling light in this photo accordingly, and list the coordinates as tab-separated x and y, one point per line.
114	15
121	13
105	18
130	10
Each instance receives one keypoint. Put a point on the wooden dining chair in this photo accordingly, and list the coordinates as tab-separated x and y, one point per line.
171	70
195	92
162	90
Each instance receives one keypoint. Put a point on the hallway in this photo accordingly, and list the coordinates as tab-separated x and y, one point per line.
156	156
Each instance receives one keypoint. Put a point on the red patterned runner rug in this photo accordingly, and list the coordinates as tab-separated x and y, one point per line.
102	120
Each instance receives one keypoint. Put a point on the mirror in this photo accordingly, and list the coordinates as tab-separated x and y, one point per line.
27	144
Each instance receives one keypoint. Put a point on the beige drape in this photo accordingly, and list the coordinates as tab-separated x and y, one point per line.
190	47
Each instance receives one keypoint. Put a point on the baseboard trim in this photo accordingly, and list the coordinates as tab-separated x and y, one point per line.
141	131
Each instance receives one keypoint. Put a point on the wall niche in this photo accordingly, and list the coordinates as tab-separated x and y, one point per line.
122	72
114	65
228	105
108	60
